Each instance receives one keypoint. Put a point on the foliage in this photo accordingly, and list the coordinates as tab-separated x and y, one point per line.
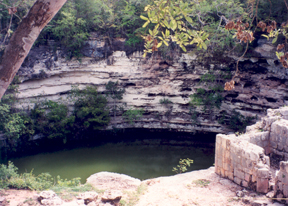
131	198
208	99
173	19
52	119
183	164
194	115
9	178
214	15
90	108
70	191
201	182
110	19
6	173
14	123
113	91
132	114
165	101
71	31
236	121
9	22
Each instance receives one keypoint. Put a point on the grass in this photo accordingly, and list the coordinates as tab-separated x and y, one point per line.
201	183
30	202
70	192
133	197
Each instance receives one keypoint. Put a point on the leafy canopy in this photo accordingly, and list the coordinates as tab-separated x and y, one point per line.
172	22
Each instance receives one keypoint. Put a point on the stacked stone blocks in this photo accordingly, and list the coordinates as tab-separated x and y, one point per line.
243	159
242	162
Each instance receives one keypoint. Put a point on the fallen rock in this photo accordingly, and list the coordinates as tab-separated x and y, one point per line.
259	203
270	194
46	195
52	202
88	197
111	197
240	194
49	198
247	200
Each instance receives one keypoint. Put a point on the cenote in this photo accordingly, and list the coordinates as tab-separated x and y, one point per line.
138	153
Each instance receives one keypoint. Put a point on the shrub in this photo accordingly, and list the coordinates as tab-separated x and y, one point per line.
236	121
183	164
52	119
9	178
165	101
90	108
133	114
208	99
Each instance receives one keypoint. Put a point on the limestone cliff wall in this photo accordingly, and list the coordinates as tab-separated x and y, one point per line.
46	73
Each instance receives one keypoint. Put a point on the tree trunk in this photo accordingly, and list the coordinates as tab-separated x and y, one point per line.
23	38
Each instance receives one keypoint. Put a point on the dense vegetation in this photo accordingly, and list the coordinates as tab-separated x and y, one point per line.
54	120
110	19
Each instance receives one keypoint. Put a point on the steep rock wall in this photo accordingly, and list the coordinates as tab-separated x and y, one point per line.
47	74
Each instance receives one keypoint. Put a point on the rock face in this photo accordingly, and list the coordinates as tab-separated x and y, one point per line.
47	74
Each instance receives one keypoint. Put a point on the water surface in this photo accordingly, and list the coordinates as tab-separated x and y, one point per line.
141	159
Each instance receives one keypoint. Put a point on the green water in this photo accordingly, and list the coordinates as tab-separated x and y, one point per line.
141	159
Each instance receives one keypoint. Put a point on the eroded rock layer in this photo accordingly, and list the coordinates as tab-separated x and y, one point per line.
261	84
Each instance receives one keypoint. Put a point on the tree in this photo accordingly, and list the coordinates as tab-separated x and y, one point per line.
23	38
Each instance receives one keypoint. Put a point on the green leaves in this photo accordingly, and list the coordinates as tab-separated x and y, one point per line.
132	114
144	18
146	23
183	164
90	108
173	18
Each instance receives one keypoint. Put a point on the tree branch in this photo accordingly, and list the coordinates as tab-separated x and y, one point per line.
23	38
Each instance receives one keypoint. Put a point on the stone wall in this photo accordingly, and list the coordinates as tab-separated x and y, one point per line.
281	182
245	160
242	162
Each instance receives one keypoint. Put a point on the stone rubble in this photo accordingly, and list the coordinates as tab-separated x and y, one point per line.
49	198
109	198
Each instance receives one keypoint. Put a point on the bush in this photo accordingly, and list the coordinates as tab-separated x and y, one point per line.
183	164
165	101
90	108
9	178
208	99
132	114
6	173
236	121
52	119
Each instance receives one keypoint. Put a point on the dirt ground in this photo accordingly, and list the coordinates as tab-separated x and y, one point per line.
203	188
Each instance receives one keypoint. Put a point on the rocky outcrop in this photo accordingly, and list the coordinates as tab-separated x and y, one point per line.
261	84
117	181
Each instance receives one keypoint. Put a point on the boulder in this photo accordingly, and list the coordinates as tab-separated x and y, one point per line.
113	181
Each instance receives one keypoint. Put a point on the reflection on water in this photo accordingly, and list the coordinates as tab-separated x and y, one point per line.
142	159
